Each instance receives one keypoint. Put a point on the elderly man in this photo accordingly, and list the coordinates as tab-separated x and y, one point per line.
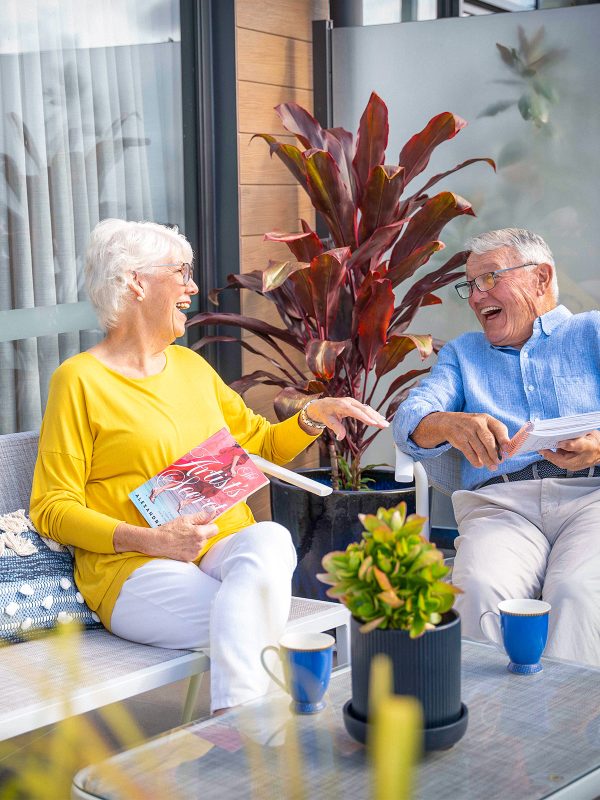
529	525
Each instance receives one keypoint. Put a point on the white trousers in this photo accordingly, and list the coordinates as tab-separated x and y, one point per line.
537	538
232	605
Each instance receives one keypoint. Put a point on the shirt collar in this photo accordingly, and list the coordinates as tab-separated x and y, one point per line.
553	319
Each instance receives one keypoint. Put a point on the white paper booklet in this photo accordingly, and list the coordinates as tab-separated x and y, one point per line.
545	434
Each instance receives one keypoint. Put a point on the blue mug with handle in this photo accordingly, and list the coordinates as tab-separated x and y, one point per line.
522	627
306	659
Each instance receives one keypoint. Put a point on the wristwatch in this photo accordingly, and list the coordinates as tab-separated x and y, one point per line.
308	421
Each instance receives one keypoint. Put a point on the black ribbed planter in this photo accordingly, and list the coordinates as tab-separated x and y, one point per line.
321	524
427	668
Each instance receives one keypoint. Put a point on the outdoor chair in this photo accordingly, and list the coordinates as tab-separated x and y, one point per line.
44	680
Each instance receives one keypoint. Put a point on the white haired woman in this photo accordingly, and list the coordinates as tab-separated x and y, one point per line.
126	409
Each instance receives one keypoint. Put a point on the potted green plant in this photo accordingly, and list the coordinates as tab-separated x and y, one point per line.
346	304
392	582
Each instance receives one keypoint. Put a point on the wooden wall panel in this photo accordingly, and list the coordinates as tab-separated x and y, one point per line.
290	18
278	60
256	102
256	164
269	208
274	65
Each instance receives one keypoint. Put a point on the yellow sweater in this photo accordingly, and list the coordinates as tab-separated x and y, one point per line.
103	435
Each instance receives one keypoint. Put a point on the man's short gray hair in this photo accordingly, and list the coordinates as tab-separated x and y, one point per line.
531	247
117	248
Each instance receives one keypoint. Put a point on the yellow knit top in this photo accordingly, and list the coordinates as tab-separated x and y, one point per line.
103	435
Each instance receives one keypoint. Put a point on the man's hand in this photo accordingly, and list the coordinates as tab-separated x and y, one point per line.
479	437
574	454
181	539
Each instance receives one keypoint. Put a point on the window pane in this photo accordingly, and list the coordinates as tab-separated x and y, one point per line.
90	128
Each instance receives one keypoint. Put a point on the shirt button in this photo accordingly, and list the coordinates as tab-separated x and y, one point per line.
525	355
530	388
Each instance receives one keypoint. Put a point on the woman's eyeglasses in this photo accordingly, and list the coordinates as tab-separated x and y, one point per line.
186	270
484	282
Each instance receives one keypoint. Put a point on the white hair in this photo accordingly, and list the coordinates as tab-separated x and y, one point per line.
118	247
531	247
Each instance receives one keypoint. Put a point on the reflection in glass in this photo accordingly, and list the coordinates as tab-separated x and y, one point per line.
90	127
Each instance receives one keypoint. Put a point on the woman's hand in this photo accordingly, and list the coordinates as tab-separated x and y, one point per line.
181	539
332	410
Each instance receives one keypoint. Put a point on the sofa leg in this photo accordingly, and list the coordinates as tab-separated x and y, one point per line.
191	697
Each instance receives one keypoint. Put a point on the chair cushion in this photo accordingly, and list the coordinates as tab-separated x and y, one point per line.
38	590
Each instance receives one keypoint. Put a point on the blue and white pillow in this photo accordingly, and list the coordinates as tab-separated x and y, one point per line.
37	589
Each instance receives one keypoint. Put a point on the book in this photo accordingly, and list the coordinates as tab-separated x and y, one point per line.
209	480
545	434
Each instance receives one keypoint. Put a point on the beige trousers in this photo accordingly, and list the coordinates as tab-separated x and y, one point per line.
537	538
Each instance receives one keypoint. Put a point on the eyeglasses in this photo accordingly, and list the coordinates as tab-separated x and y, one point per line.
187	271
484	282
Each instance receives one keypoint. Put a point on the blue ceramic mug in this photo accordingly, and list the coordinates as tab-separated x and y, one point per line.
306	659
522	625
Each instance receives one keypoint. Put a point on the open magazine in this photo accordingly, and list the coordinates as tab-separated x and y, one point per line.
545	434
209	480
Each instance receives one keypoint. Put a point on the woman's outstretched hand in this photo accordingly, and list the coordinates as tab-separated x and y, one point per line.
332	410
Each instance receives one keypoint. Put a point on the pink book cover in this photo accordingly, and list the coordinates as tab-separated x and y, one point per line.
208	480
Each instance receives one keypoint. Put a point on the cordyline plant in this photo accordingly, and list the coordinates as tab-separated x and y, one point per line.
392	578
337	304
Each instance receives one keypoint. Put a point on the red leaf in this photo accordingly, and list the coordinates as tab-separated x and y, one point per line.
257	378
379	204
371	141
321	357
330	196
326	275
401	380
406	267
247	323
289	154
278	272
248	280
426	224
304	246
376	245
340	143
416	153
303	125
436	178
372	315
398	347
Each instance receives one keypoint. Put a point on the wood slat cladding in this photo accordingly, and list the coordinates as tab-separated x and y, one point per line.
256	102
279	60
274	65
256	165
273	208
290	18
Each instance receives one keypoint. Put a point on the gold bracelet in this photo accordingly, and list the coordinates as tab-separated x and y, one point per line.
306	420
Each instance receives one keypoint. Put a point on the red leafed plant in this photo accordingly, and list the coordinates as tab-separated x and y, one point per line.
337	303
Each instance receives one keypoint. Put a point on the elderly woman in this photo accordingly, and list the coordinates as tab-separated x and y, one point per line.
124	410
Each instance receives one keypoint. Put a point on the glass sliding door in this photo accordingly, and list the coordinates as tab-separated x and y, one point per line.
90	127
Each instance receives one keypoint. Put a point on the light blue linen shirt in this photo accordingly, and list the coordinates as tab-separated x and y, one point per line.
555	373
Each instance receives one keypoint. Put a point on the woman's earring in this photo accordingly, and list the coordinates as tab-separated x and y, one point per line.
140	298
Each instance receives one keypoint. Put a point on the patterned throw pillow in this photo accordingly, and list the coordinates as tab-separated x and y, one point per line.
37	589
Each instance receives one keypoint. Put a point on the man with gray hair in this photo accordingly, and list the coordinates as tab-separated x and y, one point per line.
529	526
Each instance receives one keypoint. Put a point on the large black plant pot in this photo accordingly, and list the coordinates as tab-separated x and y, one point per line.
427	668
321	524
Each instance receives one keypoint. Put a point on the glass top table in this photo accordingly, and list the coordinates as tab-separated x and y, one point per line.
529	737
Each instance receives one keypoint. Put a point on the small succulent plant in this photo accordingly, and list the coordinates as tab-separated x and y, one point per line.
392	578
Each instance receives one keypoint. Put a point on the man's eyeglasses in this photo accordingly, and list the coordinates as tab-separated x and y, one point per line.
186	270
484	282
